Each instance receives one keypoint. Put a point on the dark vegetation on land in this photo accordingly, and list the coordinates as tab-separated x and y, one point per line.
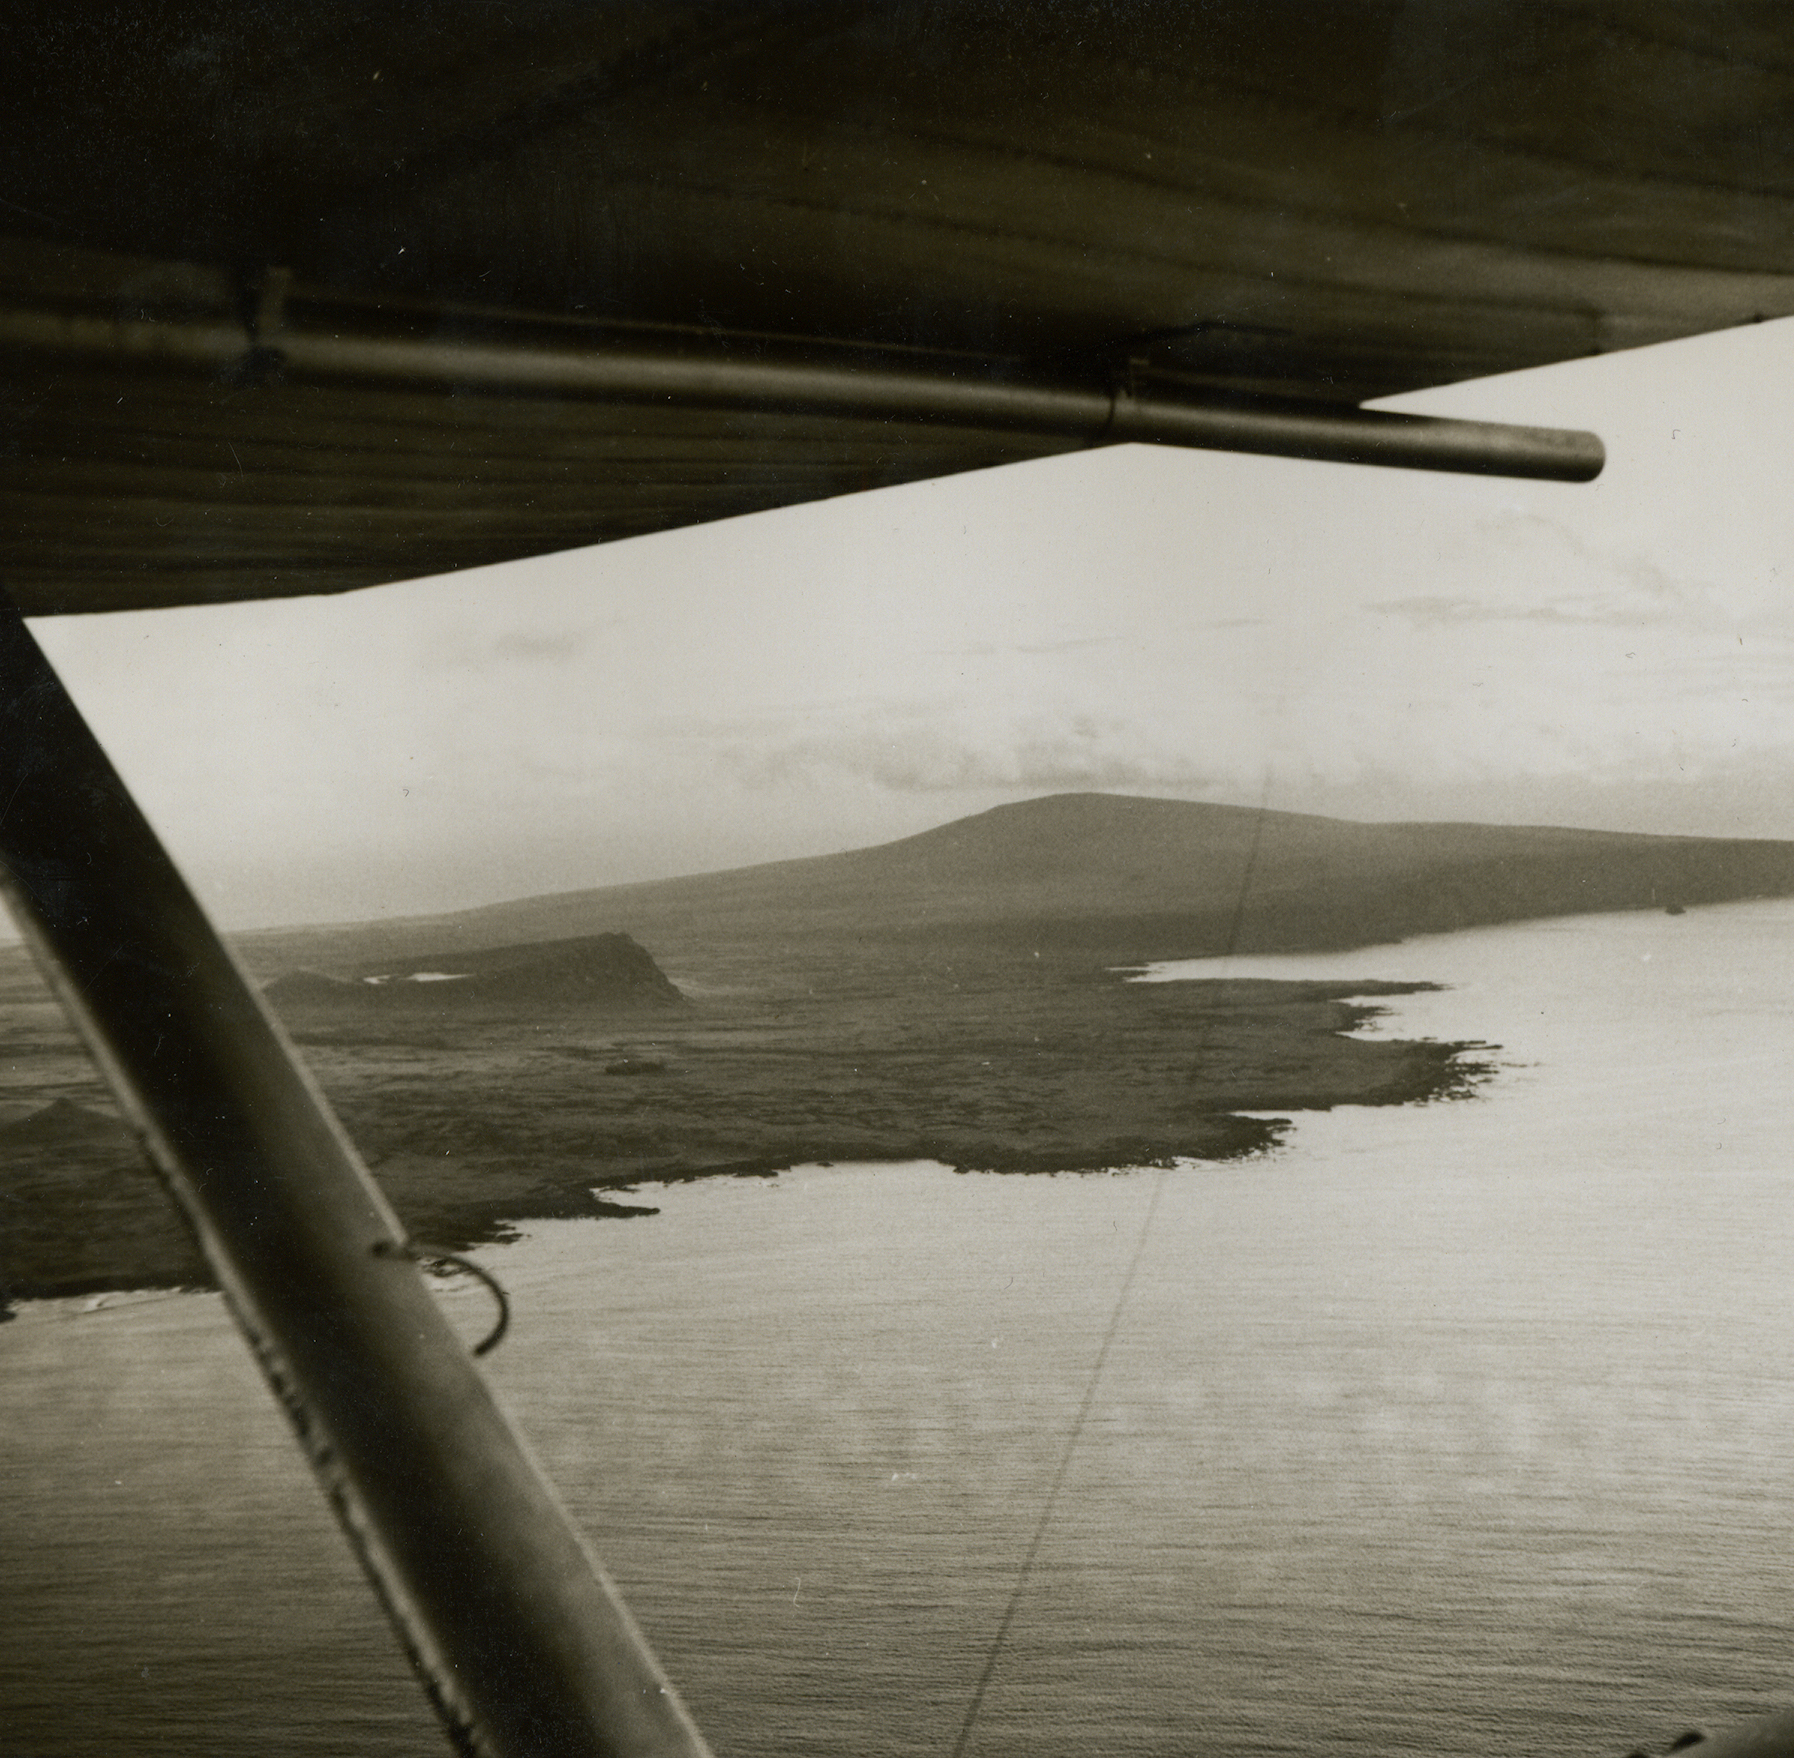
954	996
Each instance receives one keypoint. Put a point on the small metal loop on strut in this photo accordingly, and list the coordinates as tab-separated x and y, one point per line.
419	1253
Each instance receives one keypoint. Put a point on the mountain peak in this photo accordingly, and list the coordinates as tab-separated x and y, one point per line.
1138	878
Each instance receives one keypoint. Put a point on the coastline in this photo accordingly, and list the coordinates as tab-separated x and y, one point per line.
474	1129
959	996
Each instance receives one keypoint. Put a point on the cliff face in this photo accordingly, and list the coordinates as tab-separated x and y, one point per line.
605	973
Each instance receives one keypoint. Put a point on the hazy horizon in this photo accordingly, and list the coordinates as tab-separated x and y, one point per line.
1355	642
7	933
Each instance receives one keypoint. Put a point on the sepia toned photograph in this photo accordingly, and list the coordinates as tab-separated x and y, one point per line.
897	879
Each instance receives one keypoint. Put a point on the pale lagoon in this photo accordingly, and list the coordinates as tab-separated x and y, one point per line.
1457	1428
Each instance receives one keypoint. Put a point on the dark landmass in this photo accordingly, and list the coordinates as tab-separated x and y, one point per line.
1128	880
594	973
955	996
476	1124
80	1211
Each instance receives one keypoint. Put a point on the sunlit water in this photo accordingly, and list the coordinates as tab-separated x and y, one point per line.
1461	1428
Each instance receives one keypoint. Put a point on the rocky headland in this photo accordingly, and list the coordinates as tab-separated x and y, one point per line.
958	996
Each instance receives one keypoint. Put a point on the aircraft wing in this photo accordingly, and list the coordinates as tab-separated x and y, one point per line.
303	299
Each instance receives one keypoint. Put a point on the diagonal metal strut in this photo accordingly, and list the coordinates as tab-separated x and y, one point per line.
521	1642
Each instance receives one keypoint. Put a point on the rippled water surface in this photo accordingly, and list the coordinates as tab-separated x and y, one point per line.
1464	1428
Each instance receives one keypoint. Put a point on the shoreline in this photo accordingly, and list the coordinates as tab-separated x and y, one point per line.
480	1129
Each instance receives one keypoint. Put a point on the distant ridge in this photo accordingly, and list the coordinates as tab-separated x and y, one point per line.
1145	877
604	972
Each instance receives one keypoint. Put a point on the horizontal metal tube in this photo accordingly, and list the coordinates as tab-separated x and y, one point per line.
1366	436
876	387
522	1643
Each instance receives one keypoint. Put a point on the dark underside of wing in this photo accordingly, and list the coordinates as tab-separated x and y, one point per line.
293	301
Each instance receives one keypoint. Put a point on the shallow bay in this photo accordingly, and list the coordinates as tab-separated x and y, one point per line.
1455	1427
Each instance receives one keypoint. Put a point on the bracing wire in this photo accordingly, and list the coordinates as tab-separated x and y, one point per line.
975	1707
1071	1444
1246	872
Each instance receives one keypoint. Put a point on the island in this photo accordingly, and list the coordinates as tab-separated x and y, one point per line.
961	996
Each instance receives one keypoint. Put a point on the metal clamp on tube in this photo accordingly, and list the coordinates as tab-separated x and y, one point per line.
522	1644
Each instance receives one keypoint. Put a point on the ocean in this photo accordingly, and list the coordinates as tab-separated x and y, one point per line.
1455	1428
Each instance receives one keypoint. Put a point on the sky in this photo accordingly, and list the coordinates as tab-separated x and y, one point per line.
1363	642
